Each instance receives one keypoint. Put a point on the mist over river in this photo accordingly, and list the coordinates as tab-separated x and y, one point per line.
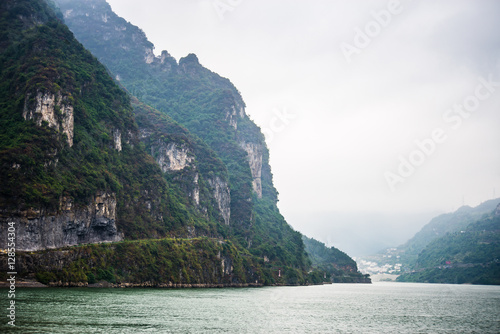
337	308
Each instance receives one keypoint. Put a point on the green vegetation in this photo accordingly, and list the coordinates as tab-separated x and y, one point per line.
114	147
331	264
151	262
158	262
38	167
438	227
468	256
37	164
210	108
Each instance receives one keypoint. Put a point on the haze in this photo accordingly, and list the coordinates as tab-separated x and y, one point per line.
378	114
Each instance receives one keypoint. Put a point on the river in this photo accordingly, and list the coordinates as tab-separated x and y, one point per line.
337	308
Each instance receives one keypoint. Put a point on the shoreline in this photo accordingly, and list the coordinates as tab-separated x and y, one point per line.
27	283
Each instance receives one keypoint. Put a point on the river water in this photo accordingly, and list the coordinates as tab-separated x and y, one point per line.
337	308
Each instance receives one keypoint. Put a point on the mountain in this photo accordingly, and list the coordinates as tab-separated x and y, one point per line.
471	255
82	164
332	265
404	257
443	224
211	108
102	186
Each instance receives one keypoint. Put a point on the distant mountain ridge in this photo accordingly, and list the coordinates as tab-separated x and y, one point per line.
331	264
471	255
438	227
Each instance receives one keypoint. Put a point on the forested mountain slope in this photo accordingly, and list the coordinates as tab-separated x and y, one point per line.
81	164
471	255
170	188
210	107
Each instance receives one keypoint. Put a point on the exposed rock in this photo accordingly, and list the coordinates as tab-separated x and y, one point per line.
38	230
191	232
227	265
231	117
117	139
254	151
171	156
497	212
52	109
149	56
233	113
196	191
222	195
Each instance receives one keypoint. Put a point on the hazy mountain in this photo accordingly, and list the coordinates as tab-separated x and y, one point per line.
471	255
331	264
407	254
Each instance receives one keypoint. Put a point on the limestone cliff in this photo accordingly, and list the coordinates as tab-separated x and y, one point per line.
53	109
241	191
222	196
234	113
190	164
117	140
72	170
172	156
38	229
254	151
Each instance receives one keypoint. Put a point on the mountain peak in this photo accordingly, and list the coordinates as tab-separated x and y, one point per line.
189	59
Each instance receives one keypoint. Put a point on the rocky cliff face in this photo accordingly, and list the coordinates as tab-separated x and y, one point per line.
190	164
72	170
497	211
117	140
192	196
69	226
208	106
222	196
53	109
254	151
234	113
172	156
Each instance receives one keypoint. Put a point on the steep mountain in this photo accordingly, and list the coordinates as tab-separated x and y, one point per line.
83	164
405	256
75	148
471	255
443	224
332	265
210	107
101	188
72	165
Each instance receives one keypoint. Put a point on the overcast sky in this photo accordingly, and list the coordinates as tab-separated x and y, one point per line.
378	114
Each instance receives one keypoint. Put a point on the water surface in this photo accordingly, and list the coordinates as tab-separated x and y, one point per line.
337	308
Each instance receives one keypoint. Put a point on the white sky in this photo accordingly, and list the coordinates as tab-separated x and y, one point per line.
352	121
